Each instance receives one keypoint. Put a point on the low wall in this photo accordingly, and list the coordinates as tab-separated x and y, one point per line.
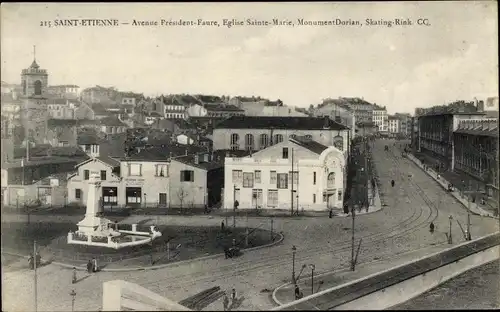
413	287
355	291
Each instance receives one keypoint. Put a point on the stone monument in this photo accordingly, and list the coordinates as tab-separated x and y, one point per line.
93	224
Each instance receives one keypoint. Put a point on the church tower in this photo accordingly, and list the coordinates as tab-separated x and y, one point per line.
34	82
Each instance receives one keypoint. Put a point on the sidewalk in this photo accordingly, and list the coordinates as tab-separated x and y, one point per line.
285	293
475	208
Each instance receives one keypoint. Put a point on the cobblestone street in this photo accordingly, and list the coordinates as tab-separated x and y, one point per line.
399	227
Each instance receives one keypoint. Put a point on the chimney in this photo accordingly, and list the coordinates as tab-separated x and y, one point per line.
196	159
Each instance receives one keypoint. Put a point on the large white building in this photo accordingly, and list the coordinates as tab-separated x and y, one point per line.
394	124
380	118
264	179
256	133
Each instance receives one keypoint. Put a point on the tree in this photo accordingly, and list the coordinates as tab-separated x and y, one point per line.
182	194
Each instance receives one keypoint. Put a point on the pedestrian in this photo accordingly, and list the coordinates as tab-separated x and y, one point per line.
95	267
31	262
297	292
89	266
226	252
431	227
222	225
73	279
392	183
225	302
438	176
38	259
331	214
483	202
233	294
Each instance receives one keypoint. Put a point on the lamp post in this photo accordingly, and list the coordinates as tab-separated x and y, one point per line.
450	241
312	266
110	201
145	200
294	250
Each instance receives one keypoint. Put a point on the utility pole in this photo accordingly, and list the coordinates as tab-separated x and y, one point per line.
291	189
468	214
234	206
353	215
35	259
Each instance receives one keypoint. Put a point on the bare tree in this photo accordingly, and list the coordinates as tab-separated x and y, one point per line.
182	193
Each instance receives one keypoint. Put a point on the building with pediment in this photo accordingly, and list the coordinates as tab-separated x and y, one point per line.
296	174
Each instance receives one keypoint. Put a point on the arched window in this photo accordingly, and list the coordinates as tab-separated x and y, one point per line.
235	141
278	138
264	140
38	87
331	180
249	143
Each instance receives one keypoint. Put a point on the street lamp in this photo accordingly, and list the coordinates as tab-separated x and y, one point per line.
294	250
450	241
312	266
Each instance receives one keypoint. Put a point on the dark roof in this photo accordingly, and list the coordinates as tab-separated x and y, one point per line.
311	145
61	122
209	98
223	108
47	150
88	138
479	132
112	122
190	160
110	161
45	160
164	152
298	123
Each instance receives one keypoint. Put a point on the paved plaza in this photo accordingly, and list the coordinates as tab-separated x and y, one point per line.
400	227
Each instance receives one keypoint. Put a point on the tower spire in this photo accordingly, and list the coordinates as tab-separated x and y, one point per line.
34	53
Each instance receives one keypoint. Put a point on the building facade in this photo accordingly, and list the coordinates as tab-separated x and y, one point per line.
380	119
435	137
256	133
64	91
476	151
297	174
337	111
394	125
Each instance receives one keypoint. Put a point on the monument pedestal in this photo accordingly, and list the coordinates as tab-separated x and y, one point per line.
94	226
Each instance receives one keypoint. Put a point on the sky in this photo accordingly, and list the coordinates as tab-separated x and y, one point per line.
400	67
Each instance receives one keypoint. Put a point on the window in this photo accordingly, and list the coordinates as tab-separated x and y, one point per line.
38	87
314	198
282	180
249	144
278	138
78	193
295	176
187	176
285	152
273	177
256	198
264	140
235	138
248	179
86	174
314	177
331	180
161	170
103	175
135	170
237	176
272	198
133	195
339	196
257	176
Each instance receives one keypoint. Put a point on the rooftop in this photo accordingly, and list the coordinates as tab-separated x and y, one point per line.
296	123
190	160
112	122
163	152
311	145
223	107
45	160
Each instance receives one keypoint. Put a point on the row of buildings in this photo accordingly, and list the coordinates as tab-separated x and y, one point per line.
462	138
259	162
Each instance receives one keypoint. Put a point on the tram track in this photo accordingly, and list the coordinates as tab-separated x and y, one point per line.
401	229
